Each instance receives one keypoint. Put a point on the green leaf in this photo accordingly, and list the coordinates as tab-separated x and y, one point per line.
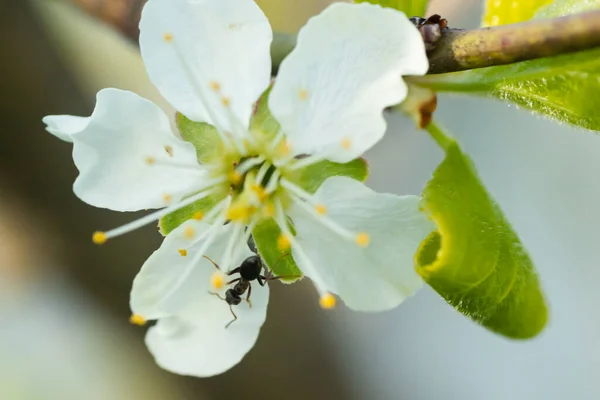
502	12
409	7
564	87
475	260
280	262
311	177
195	210
203	136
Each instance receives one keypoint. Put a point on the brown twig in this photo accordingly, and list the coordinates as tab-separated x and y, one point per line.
457	50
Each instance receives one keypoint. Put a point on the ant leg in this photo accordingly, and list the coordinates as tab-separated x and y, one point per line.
260	280
216	294
248	297
234	317
213	263
234	271
233	281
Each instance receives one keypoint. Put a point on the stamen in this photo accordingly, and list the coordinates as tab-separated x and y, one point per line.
346	144
303	94
283	242
171	163
168	37
269	210
235	177
327	301
362	239
334	227
320	209
227	257
273	183
99	239
189	232
226	101
198	215
308	267
248	164
167	198
169	150
276	140
295	189
217	280
183	252
201	95
136	319
260	192
262	172
216	86
307	161
210	235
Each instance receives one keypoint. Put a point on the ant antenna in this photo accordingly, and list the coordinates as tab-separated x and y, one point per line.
214	263
280	258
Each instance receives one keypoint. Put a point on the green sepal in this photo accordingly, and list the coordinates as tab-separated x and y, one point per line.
281	263
262	121
203	136
311	177
564	87
475	261
409	7
171	221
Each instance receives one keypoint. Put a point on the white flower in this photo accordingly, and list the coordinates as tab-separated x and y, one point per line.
210	59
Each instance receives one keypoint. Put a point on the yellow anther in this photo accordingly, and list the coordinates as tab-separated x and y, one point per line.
216	86
183	252
226	101
150	160
321	209
260	192
136	319
235	177
283	242
284	148
217	280
269	210
169	150
239	212
327	301
362	239
99	237
198	215
189	232
303	94
167	198
168	37
346	143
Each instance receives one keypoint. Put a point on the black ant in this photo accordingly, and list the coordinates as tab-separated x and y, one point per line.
249	270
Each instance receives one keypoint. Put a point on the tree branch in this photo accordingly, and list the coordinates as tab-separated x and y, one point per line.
457	50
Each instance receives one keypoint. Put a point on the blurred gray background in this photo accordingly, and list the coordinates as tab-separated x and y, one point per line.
64	302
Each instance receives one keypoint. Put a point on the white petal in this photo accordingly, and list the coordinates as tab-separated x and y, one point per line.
373	278
169	282
64	126
112	154
346	68
225	42
197	342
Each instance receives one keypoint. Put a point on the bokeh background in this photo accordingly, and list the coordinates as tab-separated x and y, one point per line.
64	332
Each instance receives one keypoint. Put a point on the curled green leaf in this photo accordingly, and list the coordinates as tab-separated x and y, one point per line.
474	259
203	136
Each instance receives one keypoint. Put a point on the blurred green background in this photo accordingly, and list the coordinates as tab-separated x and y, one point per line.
64	302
